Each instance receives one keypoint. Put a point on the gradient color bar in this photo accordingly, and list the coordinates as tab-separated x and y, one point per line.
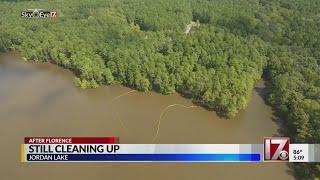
156	157
71	140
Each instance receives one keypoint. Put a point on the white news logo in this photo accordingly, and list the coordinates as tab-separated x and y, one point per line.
276	149
38	13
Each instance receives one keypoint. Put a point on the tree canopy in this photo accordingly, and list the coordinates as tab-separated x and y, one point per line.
143	44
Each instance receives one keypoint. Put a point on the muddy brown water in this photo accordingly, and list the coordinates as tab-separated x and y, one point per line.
41	100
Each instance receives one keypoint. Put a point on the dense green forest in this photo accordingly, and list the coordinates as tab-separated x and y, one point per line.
153	45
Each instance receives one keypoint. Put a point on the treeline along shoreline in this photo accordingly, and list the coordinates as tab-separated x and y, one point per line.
142	44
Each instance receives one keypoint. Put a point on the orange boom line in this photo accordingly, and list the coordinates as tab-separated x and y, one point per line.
112	110
164	111
123	94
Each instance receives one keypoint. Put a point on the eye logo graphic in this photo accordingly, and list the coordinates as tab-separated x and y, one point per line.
38	13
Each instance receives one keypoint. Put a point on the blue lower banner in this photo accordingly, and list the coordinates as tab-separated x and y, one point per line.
146	157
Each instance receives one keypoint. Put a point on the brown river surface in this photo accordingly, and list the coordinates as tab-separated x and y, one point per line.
41	100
